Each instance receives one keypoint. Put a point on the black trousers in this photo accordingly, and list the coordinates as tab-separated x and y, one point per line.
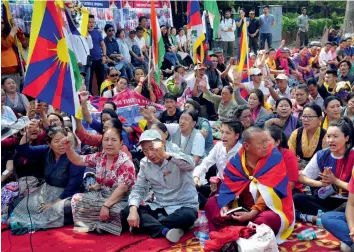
98	68
253	44
304	38
152	222
309	204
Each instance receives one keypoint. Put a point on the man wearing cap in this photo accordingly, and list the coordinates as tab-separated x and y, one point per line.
283	89
228	27
256	76
174	206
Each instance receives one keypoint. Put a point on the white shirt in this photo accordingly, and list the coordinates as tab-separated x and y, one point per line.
191	82
312	170
226	35
81	47
324	57
181	40
8	114
287	94
250	86
217	156
141	42
198	147
124	50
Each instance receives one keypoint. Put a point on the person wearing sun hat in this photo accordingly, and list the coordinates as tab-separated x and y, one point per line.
283	89
175	202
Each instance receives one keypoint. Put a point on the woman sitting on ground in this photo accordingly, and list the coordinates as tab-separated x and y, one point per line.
348	110
223	151
256	104
49	204
284	118
6	112
328	173
244	115
99	209
96	139
332	108
301	99
279	140
308	139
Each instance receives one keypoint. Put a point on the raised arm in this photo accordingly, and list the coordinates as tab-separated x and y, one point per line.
71	154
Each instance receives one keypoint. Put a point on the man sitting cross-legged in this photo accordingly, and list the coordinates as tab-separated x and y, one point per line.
174	206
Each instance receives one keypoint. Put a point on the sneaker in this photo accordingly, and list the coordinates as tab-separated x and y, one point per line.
345	247
174	234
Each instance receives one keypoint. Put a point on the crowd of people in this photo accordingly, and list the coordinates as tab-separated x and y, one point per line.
225	139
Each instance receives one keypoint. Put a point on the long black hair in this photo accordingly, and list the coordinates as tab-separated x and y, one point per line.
111	112
346	127
278	135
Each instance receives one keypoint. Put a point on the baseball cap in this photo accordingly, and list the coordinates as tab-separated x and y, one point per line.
281	77
149	135
285	49
197	67
256	71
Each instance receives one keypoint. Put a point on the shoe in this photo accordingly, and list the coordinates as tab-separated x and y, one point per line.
174	234
345	247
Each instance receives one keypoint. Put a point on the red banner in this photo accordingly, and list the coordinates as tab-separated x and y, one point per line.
124	99
146	4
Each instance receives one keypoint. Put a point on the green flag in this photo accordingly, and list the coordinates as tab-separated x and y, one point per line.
214	16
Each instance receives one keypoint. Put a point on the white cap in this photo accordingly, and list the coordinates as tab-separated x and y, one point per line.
149	135
281	77
197	67
256	71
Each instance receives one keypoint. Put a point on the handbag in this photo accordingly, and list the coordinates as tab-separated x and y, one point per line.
262	241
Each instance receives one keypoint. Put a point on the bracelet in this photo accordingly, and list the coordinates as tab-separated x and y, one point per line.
106	207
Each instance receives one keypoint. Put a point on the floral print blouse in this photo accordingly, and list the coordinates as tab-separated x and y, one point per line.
122	170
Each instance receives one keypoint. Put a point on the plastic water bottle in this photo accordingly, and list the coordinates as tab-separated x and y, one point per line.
303	233
311	235
31	226
203	229
318	219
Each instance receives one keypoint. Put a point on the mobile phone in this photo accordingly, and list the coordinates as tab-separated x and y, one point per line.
237	209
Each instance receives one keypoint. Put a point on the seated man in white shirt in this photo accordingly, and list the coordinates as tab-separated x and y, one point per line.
283	89
256	76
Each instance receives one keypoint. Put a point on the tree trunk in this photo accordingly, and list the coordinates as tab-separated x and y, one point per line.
348	26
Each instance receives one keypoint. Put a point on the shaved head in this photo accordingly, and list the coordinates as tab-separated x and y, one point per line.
250	132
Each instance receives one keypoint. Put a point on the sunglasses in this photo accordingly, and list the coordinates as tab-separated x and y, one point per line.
114	75
110	30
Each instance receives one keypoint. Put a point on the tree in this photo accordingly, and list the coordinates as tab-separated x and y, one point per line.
349	18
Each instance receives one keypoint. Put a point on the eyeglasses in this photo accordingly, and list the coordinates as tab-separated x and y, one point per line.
114	75
307	117
110	30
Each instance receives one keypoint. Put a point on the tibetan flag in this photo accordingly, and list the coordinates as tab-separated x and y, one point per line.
158	46
214	16
195	27
269	179
53	75
243	48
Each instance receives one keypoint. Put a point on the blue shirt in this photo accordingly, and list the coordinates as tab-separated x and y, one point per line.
111	46
266	23
96	51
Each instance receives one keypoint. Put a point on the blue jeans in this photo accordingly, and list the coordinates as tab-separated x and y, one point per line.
336	224
129	70
264	37
172	57
87	70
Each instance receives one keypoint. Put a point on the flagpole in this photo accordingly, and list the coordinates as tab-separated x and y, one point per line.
247	57
149	79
